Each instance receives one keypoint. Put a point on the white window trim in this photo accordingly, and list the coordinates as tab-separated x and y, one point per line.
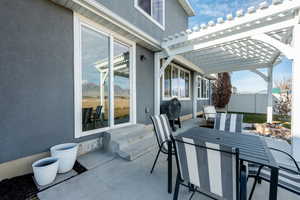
163	84
80	20
161	26
199	78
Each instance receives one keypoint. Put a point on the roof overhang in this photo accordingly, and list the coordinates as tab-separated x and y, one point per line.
95	11
187	7
248	41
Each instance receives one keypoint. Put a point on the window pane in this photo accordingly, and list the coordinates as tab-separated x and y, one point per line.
145	5
95	98
167	81
175	82
182	84
157	12
204	91
187	85
121	83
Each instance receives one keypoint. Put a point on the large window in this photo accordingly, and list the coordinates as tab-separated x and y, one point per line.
176	82
202	88
103	80
153	9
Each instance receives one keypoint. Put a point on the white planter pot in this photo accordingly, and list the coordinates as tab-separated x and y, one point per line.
67	154
45	170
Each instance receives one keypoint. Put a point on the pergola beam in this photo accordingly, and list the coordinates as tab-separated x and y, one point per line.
235	68
283	48
262	75
240	36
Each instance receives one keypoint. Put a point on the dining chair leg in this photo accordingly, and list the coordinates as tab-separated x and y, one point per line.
155	160
257	178
177	185
192	195
253	188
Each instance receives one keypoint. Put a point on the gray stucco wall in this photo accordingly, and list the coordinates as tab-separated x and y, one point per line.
36	77
144	85
176	19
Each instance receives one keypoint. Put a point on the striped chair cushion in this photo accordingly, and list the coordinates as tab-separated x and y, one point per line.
229	122
162	129
206	167
286	179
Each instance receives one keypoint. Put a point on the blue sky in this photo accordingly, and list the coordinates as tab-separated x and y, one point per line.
245	81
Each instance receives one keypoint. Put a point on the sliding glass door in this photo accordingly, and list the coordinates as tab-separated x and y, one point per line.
95	94
121	83
105	76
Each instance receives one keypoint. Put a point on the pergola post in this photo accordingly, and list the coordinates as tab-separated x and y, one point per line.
195	95
157	58
270	95
296	95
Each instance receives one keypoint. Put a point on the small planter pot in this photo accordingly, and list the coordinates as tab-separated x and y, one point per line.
67	154
45	170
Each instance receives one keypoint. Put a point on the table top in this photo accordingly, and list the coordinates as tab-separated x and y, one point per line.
252	148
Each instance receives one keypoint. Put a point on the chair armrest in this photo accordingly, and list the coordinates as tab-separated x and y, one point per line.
243	183
290	156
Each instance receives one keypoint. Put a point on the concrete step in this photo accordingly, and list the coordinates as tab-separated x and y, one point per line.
95	158
123	131
138	149
129	137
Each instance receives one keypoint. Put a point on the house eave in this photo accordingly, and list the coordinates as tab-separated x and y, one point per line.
187	7
95	11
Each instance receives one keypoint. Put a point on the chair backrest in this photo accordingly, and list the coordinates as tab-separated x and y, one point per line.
209	112
162	129
211	167
98	111
86	115
229	122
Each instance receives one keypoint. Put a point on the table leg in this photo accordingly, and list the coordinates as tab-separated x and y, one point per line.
273	184
170	166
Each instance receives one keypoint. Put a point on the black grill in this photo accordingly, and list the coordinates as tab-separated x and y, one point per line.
172	109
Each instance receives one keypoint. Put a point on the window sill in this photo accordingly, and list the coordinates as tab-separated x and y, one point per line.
180	99
202	99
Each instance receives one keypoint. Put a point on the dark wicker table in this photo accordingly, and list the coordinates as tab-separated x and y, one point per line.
252	149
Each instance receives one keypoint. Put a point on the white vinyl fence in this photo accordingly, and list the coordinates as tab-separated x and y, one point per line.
248	103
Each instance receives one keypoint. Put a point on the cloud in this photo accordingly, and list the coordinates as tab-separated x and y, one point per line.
211	9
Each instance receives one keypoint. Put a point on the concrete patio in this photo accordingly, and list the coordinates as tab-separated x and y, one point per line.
120	179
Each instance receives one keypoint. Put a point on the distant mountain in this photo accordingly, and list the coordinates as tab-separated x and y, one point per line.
93	90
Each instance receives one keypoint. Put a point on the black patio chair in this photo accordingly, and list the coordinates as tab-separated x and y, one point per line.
97	116
229	122
211	169
163	135
86	118
288	178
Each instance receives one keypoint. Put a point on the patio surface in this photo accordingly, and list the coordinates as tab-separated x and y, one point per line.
120	179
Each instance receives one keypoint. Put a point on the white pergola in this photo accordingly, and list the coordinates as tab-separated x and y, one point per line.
250	40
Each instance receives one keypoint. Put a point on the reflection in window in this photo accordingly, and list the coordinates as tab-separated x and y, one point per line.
167	81
176	82
95	98
121	83
202	88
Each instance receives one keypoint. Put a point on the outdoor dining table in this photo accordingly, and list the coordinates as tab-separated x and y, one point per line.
252	149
